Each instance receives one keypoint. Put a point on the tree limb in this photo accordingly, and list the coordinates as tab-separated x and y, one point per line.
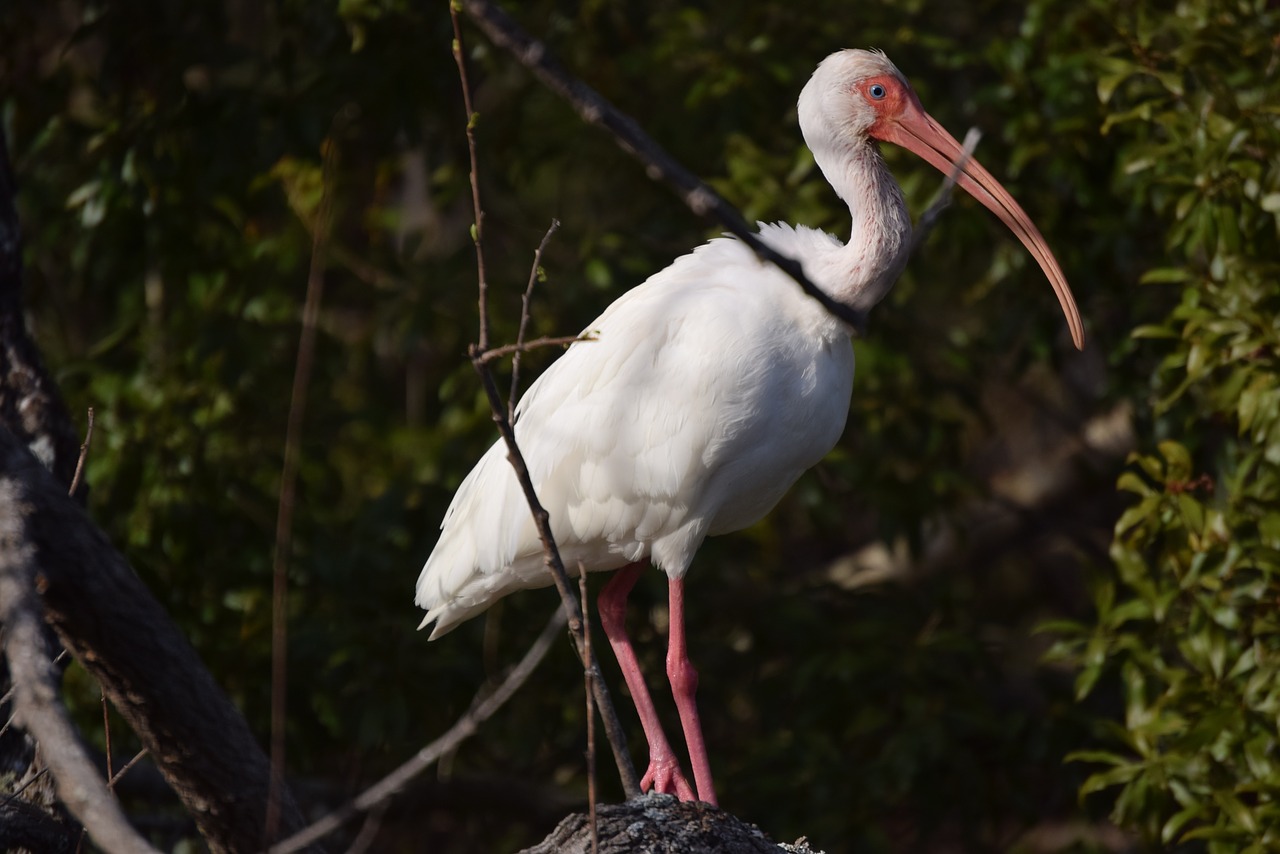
659	165
115	628
35	680
661	824
466	726
542	522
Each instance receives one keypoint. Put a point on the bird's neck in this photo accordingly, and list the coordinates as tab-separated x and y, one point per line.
863	271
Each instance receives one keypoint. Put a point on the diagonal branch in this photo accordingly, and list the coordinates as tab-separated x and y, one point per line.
542	521
942	198
596	110
521	345
466	726
115	628
38	708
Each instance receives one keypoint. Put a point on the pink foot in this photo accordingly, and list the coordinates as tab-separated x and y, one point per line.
665	778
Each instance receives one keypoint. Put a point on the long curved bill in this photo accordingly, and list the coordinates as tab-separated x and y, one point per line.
916	131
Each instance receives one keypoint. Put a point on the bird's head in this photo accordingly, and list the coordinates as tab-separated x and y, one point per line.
856	96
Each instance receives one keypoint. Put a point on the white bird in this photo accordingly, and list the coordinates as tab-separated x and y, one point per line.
704	394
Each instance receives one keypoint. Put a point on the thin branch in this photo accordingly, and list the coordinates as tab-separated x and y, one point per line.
466	726
477	228
18	791
36	690
542	523
125	770
591	712
369	830
84	452
659	165
524	320
106	729
289	481
495	353
942	199
8	695
554	564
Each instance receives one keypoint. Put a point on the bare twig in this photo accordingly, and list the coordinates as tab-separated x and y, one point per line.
18	791
591	712
289	482
106	730
84	452
466	726
8	695
942	199
495	353
369	830
477	229
36	690
127	766
542	522
573	612
520	345
659	165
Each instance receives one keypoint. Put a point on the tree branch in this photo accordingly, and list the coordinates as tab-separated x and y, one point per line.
35	680
520	345
114	627
659	165
289	477
466	726
942	199
554	564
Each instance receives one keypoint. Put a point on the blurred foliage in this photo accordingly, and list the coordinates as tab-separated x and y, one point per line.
1189	620
170	159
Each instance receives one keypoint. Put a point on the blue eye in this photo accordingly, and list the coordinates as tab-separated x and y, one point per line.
877	91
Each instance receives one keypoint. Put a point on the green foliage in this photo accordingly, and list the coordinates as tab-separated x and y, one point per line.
1189	621
170	158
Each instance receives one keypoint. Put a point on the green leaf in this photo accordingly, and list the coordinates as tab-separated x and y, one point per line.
1166	275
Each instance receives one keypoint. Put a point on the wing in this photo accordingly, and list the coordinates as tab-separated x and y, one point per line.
631	438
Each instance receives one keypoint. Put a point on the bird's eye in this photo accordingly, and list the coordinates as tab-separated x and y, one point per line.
877	91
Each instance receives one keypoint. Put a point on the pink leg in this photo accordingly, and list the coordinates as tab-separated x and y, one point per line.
684	683
664	769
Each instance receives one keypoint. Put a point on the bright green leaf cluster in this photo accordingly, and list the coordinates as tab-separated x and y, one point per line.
1190	620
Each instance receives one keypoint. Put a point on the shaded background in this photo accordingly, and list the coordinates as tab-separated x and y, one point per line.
874	653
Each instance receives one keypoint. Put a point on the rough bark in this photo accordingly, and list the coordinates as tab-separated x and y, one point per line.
37	704
114	627
30	404
26	826
660	824
33	410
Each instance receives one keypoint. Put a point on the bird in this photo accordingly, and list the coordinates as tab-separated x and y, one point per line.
703	394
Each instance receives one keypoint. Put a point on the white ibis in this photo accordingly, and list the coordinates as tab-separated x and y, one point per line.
706	392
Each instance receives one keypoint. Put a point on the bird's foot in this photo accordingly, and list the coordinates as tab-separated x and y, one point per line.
665	778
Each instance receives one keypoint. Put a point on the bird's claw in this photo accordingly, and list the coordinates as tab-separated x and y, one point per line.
665	778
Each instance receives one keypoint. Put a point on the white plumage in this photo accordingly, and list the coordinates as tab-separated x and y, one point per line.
704	394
